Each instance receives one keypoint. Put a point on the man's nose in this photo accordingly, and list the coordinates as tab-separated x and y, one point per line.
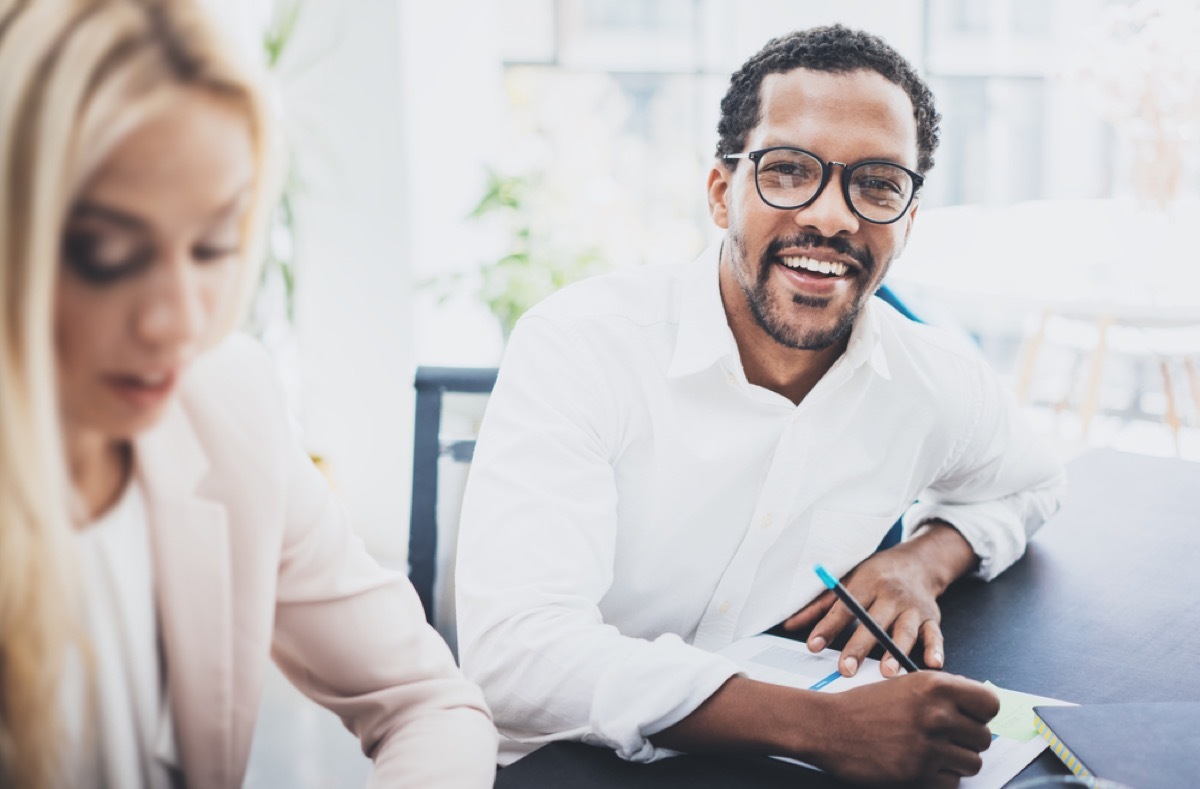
829	214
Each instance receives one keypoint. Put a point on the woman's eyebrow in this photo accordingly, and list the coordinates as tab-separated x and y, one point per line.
237	201
90	210
86	209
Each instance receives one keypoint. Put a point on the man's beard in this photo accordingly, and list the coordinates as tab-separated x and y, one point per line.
770	317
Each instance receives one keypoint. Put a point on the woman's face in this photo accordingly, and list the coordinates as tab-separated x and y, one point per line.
151	251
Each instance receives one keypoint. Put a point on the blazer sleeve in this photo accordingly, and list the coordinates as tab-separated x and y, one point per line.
353	637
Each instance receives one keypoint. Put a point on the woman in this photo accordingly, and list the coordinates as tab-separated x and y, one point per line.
160	531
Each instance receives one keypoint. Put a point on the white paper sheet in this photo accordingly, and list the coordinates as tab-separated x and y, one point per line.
782	661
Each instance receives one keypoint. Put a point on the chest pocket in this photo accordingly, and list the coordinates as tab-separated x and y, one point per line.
840	540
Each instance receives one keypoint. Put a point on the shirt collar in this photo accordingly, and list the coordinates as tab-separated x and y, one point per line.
704	337
866	341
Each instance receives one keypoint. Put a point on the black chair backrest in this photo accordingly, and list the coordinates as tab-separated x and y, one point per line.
431	384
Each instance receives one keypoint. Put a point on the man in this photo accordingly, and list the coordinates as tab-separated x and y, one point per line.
669	450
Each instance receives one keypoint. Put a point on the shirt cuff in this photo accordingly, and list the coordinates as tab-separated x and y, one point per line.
639	697
987	527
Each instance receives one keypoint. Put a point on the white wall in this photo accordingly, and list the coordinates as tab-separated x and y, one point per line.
343	100
453	98
391	103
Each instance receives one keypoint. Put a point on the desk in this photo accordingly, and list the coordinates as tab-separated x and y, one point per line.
1105	594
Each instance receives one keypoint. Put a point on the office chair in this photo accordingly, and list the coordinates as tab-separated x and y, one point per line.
893	536
432	384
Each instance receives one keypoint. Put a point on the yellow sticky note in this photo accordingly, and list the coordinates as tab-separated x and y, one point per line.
1015	719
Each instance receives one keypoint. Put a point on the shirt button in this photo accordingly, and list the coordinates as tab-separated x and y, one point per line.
730	377
724	609
767	520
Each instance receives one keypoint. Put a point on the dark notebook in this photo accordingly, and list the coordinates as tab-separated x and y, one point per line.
1146	746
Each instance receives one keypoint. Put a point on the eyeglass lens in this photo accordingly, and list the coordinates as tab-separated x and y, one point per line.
789	178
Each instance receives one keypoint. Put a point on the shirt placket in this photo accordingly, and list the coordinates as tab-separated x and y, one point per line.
772	511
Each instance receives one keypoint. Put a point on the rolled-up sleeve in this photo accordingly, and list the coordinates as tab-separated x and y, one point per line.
535	560
1000	485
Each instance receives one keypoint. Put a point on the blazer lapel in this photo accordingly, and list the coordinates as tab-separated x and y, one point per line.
190	544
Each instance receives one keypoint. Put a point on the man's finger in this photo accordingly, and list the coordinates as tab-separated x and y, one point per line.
904	633
935	650
977	702
836	619
970	734
810	613
961	761
863	641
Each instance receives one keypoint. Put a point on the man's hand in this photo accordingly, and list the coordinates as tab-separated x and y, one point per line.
899	587
926	730
923	730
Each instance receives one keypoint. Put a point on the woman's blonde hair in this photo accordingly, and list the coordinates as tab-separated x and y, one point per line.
76	76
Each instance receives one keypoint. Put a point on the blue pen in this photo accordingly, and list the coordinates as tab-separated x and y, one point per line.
861	614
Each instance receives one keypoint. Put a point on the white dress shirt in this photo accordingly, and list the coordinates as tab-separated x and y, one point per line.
634	502
123	736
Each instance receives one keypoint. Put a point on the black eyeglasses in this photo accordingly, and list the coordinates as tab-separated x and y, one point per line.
788	178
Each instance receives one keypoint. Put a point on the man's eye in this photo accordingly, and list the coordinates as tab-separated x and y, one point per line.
879	185
792	168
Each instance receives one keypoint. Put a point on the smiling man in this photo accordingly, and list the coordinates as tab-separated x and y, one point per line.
668	451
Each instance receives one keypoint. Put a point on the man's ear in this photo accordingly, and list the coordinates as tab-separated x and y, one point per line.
718	193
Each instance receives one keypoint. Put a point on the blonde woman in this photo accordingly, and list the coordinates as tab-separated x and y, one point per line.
161	534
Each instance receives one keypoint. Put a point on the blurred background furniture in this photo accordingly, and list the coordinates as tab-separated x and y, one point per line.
1092	306
442	448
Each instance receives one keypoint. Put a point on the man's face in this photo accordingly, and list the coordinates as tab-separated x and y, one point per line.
848	118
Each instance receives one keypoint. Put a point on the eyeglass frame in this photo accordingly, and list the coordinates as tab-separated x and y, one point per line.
826	171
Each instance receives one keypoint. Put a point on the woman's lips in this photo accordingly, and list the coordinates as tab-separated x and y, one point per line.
142	389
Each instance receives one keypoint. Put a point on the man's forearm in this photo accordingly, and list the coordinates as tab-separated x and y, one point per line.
748	716
947	553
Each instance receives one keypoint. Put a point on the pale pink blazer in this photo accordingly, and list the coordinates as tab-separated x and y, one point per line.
254	559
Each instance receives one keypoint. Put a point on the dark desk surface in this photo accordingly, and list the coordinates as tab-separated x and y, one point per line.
1104	607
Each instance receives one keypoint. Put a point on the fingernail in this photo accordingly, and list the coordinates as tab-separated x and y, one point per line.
816	644
893	665
851	666
937	659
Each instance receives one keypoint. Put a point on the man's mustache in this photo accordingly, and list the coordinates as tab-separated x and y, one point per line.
813	241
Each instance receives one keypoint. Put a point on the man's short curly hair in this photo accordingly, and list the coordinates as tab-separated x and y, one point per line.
836	49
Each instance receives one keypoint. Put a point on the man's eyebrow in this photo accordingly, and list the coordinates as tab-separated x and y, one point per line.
88	210
877	158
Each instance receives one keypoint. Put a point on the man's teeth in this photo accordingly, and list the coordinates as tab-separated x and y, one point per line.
818	266
152	380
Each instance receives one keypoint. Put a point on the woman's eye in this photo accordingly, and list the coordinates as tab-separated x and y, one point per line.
209	253
100	260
